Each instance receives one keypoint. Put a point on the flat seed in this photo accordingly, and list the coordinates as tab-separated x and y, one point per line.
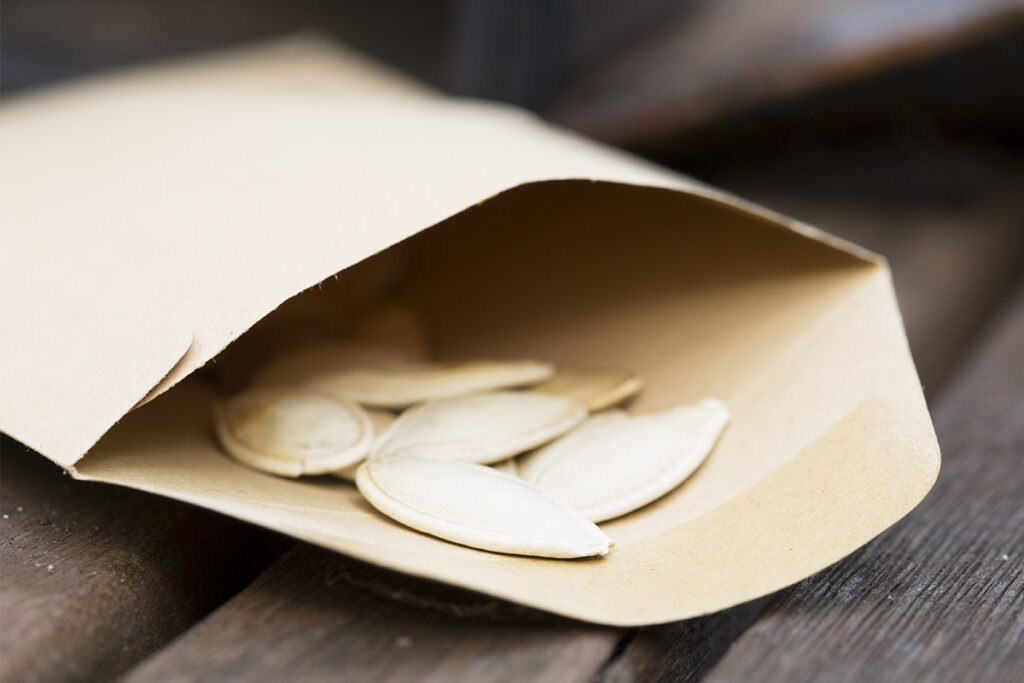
612	466
292	432
597	390
511	465
477	506
381	420
398	385
481	428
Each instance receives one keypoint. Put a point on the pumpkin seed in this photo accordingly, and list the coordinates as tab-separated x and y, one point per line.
477	506
597	389
481	428
398	385
612	466
292	432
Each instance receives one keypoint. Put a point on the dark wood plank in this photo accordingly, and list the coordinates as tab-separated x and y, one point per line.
52	40
681	652
315	615
94	578
714	60
941	595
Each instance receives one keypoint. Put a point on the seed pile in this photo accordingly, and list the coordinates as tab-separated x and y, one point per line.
506	456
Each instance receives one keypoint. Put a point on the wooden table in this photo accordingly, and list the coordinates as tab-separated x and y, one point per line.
99	582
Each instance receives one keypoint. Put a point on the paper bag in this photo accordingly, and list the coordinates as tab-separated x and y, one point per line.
150	218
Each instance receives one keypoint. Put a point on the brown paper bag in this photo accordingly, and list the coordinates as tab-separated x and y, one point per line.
150	218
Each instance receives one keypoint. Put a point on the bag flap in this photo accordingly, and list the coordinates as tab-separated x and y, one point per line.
173	207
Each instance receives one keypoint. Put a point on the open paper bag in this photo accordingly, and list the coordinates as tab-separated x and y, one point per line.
149	219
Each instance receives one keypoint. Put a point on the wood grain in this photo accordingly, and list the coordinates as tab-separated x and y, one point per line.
315	615
681	652
940	596
93	578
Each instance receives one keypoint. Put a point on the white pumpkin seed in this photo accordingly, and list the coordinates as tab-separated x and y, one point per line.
478	507
481	428
381	420
292	432
397	385
612	466
597	390
511	465
529	464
